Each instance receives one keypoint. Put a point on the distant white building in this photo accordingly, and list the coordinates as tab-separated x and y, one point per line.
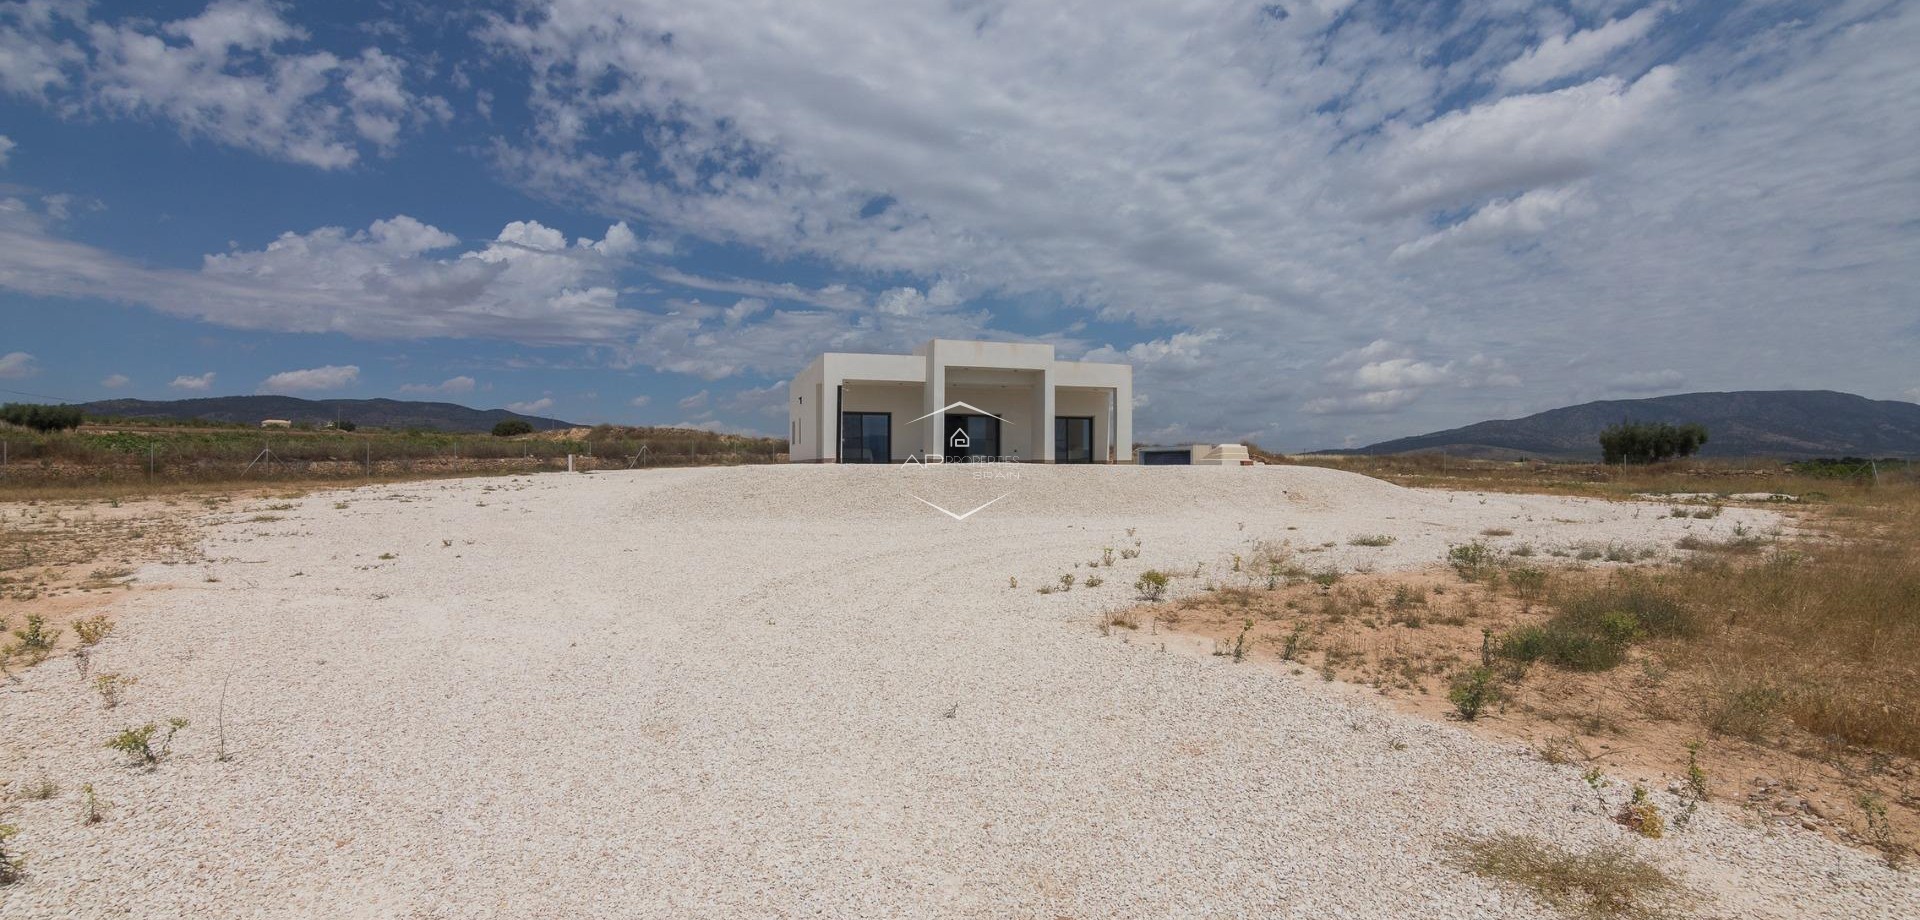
961	401
275	423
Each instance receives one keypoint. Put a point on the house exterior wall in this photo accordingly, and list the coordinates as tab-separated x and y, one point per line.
1021	383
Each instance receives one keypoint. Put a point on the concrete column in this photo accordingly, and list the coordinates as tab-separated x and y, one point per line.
1123	421
933	430
1043	417
830	415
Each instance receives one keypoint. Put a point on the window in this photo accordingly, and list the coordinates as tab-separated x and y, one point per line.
972	438
866	437
1073	439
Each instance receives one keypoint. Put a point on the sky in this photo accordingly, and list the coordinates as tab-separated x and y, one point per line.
1315	223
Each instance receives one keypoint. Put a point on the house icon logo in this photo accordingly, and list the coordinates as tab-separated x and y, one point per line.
959	438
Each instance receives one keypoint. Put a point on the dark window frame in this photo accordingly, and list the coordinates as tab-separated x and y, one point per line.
1059	447
863	436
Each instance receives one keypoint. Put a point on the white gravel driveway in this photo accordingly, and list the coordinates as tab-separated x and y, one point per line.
726	693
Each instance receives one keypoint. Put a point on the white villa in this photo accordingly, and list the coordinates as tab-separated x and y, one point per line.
961	401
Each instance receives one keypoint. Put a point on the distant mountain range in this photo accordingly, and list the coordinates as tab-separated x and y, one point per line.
379	413
1790	424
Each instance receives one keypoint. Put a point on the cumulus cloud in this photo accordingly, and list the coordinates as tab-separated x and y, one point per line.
197	384
235	73
398	278
532	406
15	365
1571	53
312	379
452	386
640	402
6	149
1383	376
115	381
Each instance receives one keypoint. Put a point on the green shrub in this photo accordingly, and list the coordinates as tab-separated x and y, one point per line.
1650	442
1593	630
512	427
1472	691
1152	584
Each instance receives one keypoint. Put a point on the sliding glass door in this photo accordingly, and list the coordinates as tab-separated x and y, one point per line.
1073	439
866	437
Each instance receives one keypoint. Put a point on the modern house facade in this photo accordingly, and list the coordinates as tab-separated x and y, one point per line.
961	401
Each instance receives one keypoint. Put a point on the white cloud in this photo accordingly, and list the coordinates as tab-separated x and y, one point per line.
452	386
312	379
532	406
640	402
395	279
15	365
1913	395
115	381
6	148
696	401
1528	215
1572	53
1384	376
228	74
196	384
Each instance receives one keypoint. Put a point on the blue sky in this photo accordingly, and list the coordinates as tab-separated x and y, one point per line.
1311	223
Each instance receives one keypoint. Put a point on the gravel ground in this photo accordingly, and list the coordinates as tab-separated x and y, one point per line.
799	692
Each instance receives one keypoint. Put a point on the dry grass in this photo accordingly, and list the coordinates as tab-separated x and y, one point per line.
1608	882
1796	661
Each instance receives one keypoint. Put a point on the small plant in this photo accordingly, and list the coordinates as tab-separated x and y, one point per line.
1880	831
388	556
1595	778
112	687
1290	647
1131	552
10	871
1529	583
1095	581
1044	589
1641	815
1326	578
1496	532
40	789
137	743
1106	556
33	641
1013	582
1066	582
1473	691
1240	641
1152	584
1473	561
1696	789
93	629
1377	539
92	810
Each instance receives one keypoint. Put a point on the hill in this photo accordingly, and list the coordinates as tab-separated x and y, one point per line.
380	413
1749	423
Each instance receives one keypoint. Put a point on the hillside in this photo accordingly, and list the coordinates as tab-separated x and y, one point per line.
380	413
1749	423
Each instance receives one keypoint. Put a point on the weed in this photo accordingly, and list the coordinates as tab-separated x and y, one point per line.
1290	648
1641	815
1473	561
92	810
93	629
388	556
1696	787
1377	539
10	871
40	789
1496	532
1595	778
33	641
137	743
1406	596
1013	582
1529	583
112	687
1095	581
1066	582
1152	584
1880	831
1745	709
1473	691
1327	577
1604	883
1131	552
1240	641
1106	557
